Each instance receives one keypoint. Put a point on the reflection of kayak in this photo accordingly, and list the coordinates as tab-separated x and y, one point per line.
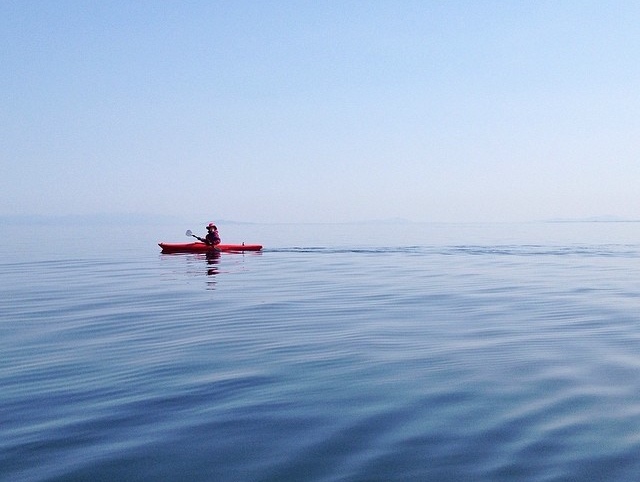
206	248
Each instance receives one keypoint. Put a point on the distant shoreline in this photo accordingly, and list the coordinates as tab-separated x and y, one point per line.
150	219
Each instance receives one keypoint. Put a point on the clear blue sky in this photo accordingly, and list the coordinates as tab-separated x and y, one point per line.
319	111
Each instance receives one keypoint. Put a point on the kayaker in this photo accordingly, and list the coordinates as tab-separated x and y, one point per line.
212	238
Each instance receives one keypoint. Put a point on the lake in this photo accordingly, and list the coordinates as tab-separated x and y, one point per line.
362	352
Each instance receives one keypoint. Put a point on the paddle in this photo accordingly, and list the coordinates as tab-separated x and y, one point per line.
189	233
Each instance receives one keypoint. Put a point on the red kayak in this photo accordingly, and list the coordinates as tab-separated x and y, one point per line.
206	248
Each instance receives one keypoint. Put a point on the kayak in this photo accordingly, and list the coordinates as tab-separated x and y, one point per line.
206	248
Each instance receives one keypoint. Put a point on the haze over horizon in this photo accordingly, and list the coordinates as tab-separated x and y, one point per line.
282	111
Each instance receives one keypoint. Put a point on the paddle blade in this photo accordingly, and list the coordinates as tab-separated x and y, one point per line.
188	233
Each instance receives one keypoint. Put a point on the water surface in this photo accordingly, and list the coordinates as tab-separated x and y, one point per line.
340	353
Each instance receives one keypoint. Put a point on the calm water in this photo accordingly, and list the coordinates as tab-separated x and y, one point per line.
340	353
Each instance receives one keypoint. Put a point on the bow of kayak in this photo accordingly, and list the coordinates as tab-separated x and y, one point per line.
206	248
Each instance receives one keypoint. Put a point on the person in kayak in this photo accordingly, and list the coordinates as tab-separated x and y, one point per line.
212	238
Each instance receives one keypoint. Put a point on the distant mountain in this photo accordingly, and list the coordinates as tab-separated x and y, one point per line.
384	221
593	219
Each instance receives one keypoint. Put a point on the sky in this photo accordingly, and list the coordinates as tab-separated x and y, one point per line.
321	111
